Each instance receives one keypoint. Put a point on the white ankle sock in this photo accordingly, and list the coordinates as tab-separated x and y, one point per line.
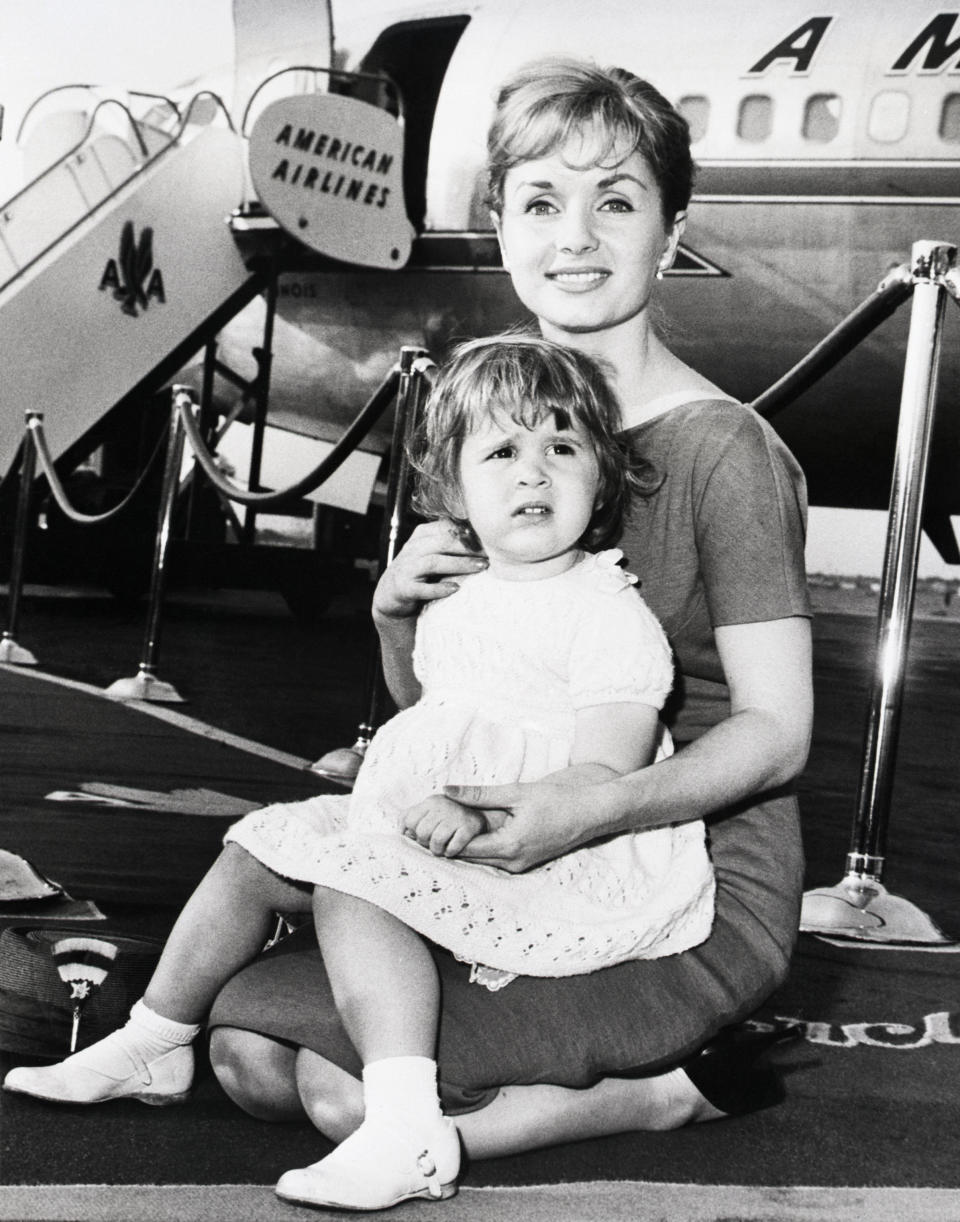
403	1087
145	1036
168	1030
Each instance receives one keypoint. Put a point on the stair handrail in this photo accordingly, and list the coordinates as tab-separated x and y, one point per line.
147	159
134	93
339	73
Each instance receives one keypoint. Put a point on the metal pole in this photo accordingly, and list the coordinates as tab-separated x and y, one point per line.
261	391
10	652
860	907
145	685
343	763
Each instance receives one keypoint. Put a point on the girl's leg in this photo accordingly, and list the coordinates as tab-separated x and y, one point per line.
383	977
223	925
387	992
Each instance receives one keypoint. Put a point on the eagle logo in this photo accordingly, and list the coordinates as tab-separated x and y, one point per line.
132	277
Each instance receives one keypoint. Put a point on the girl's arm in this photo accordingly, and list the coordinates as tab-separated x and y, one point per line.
420	573
610	740
762	744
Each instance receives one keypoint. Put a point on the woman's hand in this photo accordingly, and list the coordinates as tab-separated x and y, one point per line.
422	571
530	823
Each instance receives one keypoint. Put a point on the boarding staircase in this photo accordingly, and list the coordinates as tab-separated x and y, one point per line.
116	263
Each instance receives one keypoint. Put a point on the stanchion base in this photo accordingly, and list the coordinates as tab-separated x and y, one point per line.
144	686
341	765
14	654
861	910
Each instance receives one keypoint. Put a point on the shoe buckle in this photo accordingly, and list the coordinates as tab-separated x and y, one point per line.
427	1167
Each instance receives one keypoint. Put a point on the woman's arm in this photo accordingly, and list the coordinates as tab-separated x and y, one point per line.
420	573
762	744
609	740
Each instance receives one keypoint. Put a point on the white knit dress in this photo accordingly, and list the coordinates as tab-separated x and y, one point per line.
504	667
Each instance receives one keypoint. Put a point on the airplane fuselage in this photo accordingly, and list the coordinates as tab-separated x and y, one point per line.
827	140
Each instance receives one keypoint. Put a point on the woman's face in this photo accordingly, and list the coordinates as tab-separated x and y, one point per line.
583	245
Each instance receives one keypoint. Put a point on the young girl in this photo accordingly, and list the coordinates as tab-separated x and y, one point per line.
547	663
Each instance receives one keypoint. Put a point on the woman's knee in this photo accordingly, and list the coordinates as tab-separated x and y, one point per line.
257	1073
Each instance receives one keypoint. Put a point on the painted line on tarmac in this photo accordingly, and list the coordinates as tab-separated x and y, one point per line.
172	717
603	1201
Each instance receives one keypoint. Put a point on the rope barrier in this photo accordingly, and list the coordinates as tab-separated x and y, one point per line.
146	685
57	490
363	422
890	294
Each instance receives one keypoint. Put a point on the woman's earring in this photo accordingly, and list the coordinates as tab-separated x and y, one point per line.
659	273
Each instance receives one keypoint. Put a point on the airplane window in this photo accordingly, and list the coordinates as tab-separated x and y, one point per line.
755	118
696	110
889	116
950	118
821	117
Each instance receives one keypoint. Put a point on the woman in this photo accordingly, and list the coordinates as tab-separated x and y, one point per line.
590	177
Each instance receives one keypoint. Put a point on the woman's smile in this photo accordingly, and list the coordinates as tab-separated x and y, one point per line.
579	280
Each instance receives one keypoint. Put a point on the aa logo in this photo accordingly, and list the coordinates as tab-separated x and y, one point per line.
133	278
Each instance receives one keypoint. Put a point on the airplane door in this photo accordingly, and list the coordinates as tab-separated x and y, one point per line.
265	45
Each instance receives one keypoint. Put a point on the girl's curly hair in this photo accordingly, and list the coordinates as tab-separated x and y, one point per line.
526	377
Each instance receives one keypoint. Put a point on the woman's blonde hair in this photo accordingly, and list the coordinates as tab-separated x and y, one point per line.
526	377
547	101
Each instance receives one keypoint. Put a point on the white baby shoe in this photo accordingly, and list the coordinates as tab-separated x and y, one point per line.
109	1069
378	1166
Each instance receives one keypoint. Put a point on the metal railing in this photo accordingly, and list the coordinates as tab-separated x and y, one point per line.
404	382
859	907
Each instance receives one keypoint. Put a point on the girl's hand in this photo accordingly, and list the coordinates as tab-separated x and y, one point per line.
443	826
538	820
422	569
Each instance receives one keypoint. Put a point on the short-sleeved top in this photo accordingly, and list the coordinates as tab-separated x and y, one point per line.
719	542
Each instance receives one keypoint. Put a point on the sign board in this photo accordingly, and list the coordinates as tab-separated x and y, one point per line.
329	169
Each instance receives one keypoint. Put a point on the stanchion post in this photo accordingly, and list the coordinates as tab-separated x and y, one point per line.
343	763
859	907
145	685
10	652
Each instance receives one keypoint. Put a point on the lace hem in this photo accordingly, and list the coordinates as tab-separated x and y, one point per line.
487	917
